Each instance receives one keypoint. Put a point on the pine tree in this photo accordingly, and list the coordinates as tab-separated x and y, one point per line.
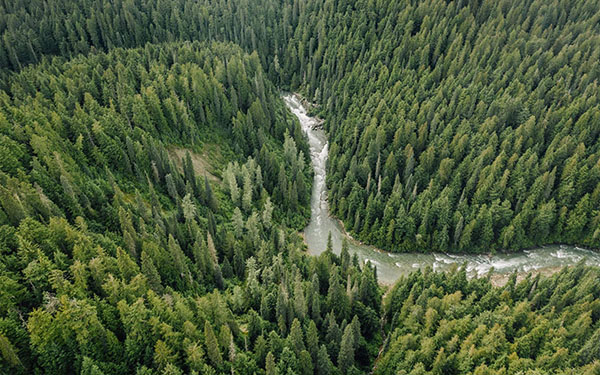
312	340
212	250
299	299
188	207
296	337
324	365
163	355
171	188
337	299
333	336
368	290
127	267
247	191
346	355
151	273
267	213
218	277
212	346
12	206
188	169
230	184
180	262
226	269
195	355
270	367
239	263
306	363
238	223
345	256
211	201
329	248
355	324
10	355
225	338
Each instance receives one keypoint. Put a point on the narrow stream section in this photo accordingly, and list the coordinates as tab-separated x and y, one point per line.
390	266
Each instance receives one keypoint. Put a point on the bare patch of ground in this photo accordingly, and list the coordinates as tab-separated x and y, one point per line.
501	279
201	163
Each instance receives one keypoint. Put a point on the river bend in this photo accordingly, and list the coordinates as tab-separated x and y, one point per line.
390	266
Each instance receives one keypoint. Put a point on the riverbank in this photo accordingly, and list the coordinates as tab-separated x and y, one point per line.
391	266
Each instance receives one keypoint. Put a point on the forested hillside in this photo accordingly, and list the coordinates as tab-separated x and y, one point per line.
459	126
153	185
445	324
116	261
455	126
33	29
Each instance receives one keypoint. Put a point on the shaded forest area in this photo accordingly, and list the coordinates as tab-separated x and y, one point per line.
464	126
467	126
116	261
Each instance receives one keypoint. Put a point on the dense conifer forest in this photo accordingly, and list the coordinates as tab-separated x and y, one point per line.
153	185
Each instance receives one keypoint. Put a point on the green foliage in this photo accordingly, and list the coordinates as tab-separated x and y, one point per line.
458	126
68	28
118	257
454	126
443	324
346	355
212	347
92	146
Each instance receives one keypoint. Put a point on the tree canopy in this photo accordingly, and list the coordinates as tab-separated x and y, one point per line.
153	184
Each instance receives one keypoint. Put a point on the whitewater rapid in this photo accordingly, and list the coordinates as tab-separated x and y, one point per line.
390	266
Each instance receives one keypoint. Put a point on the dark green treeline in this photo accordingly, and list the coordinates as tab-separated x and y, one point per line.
118	256
152	184
455	126
445	324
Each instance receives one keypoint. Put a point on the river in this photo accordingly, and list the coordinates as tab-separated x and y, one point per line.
390	266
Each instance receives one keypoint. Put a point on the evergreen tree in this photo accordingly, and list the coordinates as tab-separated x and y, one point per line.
212	346
188	207
151	273
270	367
171	188
329	248
346	355
344	257
210	198
296	337
324	364
488	142
312	340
